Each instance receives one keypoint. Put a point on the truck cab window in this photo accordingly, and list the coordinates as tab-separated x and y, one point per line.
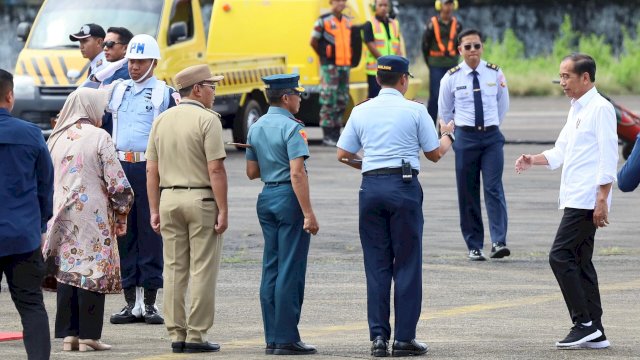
181	12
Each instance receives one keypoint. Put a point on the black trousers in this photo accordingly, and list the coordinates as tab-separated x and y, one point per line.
80	313
570	260
24	274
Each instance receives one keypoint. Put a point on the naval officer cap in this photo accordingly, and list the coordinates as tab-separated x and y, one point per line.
394	63
87	30
283	81
195	74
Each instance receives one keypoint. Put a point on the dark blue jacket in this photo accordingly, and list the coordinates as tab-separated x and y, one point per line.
629	175
26	185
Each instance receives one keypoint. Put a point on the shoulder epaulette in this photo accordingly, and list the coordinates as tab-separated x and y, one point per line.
454	69
297	120
363	101
419	102
493	66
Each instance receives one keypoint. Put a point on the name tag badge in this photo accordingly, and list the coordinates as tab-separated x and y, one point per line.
491	84
461	87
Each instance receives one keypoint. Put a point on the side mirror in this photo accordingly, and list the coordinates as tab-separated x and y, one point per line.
177	32
24	28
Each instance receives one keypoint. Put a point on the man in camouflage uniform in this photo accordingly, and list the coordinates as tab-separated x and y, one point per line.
331	40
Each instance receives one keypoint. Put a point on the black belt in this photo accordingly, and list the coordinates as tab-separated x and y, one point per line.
478	128
387	171
276	183
184	187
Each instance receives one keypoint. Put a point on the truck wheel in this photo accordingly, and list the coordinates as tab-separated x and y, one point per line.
627	147
248	114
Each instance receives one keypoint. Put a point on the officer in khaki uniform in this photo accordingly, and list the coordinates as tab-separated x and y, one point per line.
187	187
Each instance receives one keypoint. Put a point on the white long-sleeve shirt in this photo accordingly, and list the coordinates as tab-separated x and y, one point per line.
587	150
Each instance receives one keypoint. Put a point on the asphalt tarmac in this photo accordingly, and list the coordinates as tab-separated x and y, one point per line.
498	309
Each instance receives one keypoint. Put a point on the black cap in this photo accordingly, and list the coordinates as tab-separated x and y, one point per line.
88	30
394	63
447	1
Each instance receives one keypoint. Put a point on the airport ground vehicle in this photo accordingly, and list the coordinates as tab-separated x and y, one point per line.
241	39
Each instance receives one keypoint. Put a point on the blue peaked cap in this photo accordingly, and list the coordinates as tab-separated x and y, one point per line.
283	81
394	63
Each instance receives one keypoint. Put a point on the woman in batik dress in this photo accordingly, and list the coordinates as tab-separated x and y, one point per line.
92	198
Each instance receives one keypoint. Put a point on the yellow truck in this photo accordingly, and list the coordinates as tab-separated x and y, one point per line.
246	39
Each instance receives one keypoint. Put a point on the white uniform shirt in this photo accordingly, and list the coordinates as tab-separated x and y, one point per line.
390	129
587	150
98	63
456	93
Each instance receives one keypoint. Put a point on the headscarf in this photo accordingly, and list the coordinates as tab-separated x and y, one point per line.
83	103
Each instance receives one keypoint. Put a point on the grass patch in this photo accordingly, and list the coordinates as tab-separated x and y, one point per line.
532	76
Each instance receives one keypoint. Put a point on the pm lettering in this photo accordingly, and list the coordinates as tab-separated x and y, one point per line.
138	48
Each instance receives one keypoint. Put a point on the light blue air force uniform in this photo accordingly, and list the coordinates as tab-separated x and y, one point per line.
276	138
136	115
479	149
141	249
402	133
390	129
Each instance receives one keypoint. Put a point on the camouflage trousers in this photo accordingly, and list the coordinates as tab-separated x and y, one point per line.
334	94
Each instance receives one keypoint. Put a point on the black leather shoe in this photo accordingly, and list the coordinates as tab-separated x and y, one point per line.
402	348
201	347
151	315
499	250
296	348
268	350
177	346
125	316
380	347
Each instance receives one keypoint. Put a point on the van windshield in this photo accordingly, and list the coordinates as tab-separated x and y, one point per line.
60	18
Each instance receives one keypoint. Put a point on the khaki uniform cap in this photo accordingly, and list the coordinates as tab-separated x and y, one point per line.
195	74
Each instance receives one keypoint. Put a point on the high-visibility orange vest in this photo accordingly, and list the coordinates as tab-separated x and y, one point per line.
451	45
386	46
337	40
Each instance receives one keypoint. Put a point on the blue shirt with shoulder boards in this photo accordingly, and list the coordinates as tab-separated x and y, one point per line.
276	138
136	115
455	101
26	185
390	129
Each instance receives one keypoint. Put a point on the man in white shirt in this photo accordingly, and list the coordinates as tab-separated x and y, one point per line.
587	149
91	38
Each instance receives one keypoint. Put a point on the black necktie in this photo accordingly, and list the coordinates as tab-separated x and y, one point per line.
477	101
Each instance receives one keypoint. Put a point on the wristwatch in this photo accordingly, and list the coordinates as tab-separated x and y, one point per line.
450	135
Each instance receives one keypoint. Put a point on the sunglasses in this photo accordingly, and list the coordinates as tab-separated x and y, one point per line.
213	86
476	46
110	44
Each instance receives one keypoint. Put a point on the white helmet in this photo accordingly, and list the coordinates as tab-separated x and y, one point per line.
143	46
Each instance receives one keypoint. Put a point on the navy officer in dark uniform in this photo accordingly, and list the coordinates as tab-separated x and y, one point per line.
277	153
392	131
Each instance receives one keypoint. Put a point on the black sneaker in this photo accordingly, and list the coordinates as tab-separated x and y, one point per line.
499	250
579	334
597	343
476	255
